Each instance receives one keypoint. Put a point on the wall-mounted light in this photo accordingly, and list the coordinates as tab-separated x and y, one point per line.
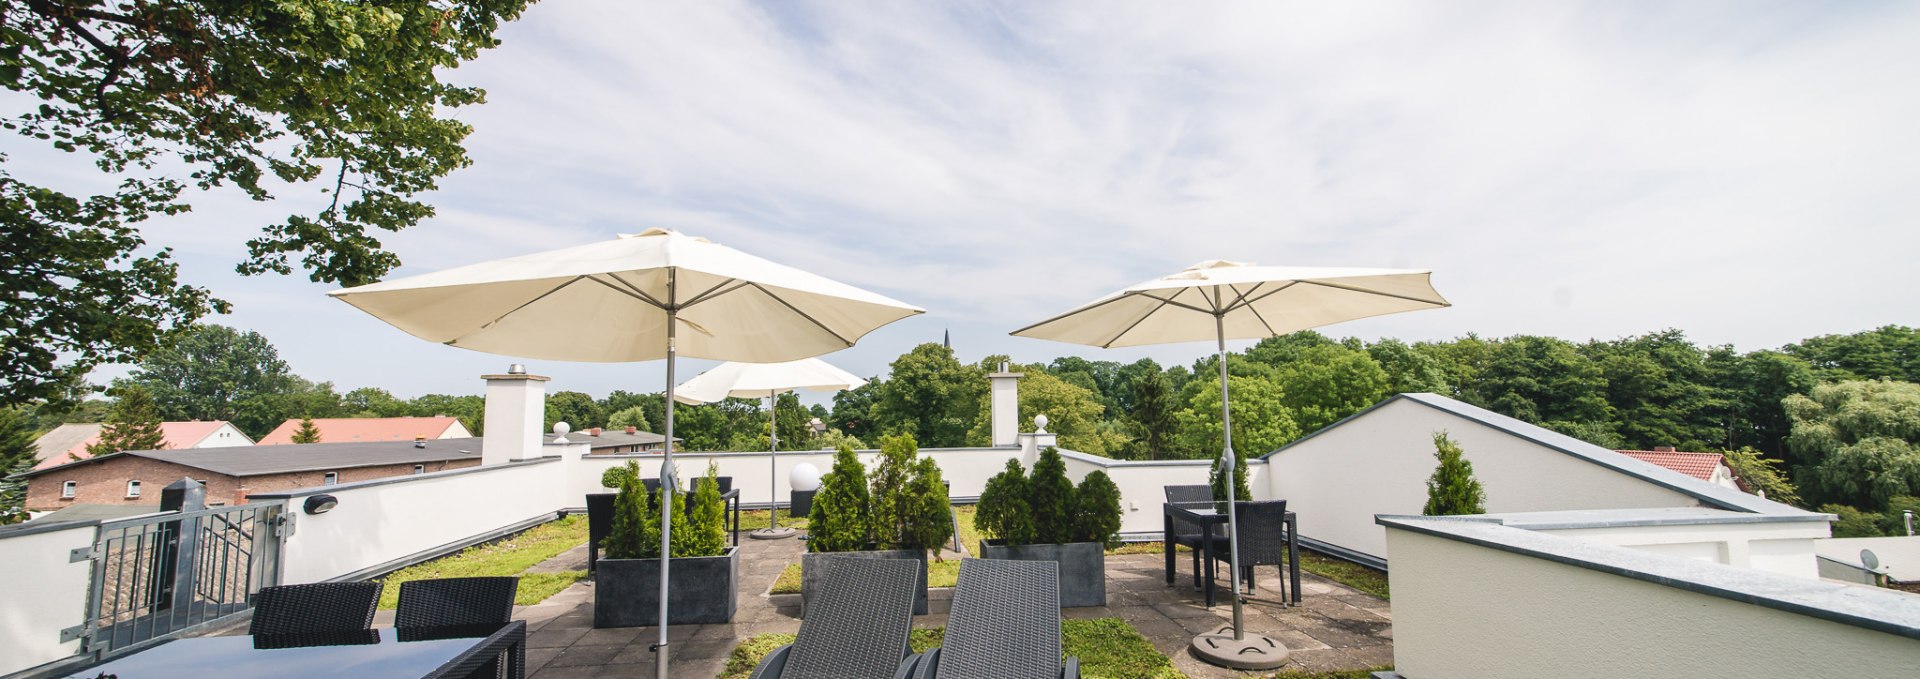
319	504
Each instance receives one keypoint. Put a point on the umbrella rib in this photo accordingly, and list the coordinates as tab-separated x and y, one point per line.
629	290
1143	318
710	294
803	314
1088	307
1183	305
1275	291
510	312
1242	295
1350	288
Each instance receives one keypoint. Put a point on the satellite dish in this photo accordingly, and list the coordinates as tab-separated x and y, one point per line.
1868	559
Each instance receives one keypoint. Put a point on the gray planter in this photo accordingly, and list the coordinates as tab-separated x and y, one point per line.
701	590
1083	568
811	577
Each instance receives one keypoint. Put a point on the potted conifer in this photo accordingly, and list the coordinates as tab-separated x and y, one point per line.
700	583
902	513
1043	517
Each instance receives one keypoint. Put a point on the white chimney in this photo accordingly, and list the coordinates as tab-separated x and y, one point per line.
1005	404
515	417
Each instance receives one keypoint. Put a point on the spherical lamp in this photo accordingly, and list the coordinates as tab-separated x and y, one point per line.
1040	424
804	477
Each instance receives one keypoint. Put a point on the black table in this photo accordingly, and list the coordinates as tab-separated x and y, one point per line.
1207	516
431	652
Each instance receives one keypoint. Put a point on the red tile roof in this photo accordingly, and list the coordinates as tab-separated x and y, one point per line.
1696	465
178	435
362	429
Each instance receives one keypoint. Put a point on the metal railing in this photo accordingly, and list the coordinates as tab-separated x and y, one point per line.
164	573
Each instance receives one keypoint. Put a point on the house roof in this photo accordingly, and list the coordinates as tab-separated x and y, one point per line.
87	512
613	439
69	441
263	460
1696	465
349	429
1710	494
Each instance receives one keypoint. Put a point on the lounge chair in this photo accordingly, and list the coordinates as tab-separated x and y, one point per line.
856	628
1004	624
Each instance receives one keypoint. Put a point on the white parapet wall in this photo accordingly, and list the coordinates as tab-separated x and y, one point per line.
45	591
1775	543
1378	462
1141	484
1474	599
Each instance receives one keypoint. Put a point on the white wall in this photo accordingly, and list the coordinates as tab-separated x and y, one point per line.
1464	610
965	469
1378	463
45	592
1785	548
225	436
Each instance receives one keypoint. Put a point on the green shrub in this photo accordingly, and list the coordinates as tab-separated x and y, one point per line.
1452	489
1218	480
612	477
1096	516
706	517
931	525
1051	495
892	505
841	517
635	533
1893	521
1002	511
1854	523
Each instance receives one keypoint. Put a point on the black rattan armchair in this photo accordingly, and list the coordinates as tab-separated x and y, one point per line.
456	601
1185	533
1263	539
314	608
1005	624
856	628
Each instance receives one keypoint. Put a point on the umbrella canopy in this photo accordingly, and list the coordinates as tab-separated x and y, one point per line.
1257	302
1220	300
604	302
761	380
655	294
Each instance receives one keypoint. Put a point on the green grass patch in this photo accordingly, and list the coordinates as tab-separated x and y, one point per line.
509	556
939	574
1331	674
1108	648
755	519
1347	573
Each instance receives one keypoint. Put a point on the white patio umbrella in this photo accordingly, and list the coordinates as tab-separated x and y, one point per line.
627	300
1220	300
769	380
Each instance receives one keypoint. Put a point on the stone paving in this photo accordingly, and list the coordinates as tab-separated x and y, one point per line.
1334	627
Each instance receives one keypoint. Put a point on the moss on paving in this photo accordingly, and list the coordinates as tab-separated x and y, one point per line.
1331	674
1108	648
939	574
508	556
756	519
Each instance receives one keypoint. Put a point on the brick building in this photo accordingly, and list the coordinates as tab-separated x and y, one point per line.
136	477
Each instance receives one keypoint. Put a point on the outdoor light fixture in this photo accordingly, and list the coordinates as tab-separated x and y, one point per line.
319	504
804	477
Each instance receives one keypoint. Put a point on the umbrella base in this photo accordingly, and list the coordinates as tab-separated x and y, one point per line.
780	533
1255	652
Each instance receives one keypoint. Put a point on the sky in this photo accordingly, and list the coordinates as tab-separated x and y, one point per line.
1745	171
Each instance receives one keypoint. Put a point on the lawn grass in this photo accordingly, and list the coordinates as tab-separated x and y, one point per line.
1347	573
509	556
939	574
1108	648
756	519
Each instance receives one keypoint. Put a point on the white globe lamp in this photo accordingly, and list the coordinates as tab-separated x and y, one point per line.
804	477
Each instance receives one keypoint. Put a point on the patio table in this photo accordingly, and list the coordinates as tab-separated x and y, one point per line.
452	652
1207	516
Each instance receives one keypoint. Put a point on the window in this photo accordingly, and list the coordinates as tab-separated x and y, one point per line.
332	478
419	469
133	489
67	489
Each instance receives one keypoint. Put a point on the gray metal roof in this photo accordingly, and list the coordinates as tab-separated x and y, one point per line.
1709	493
262	460
63	438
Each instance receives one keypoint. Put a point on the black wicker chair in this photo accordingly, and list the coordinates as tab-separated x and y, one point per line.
456	601
856	628
314	608
1004	624
1263	539
1185	533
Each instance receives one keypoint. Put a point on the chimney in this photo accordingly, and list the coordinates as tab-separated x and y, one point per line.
632	429
516	414
1663	449
1005	404
594	431
419	441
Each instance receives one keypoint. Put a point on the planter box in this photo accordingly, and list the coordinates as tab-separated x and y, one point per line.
701	590
811	577
1083	568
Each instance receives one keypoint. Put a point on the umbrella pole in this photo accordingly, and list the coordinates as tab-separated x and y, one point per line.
1227	472
773	461
667	488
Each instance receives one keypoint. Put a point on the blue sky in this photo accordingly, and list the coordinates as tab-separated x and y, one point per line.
1742	171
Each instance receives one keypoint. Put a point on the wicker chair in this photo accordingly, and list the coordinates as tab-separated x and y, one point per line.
456	601
1188	534
315	608
856	628
1263	539
1004	624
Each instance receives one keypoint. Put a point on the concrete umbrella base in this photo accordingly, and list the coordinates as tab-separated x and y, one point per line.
1255	652
780	533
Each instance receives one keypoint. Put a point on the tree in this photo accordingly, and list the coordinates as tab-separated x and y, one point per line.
1761	475
930	521
841	517
706	517
1891	352
373	402
633	517
892	506
576	409
1756	385
1658	389
132	424
1409	370
635	417
1153	420
211	373
833	439
930	395
17	456
1261	420
471	410
1218	479
853	409
1323	384
1051	495
1073	412
1003	510
260	413
1452	490
1544	381
1097	510
1858	442
329	97
307	433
